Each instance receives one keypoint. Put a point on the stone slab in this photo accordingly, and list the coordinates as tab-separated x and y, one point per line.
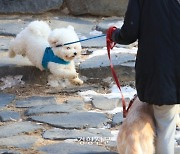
9	116
28	6
62	134
77	120
12	27
99	66
6	99
62	108
4	43
124	73
100	7
117	119
103	61
70	148
35	101
17	128
7	151
31	75
21	141
103	103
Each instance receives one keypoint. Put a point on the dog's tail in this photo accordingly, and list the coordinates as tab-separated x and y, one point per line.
39	28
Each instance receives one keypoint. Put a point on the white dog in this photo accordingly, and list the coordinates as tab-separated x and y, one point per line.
46	50
137	133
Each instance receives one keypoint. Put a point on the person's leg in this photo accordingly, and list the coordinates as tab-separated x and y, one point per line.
165	128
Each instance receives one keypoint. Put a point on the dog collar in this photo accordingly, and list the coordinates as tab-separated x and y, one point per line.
50	57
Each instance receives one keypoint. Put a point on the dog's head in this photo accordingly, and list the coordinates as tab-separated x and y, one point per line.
62	36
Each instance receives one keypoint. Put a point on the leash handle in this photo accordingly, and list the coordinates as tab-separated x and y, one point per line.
110	44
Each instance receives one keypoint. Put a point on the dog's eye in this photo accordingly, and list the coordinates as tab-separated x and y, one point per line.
68	48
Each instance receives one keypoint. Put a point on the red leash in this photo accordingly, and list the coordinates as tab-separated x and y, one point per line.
110	44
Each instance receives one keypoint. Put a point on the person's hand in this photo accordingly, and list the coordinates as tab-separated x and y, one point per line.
109	32
110	43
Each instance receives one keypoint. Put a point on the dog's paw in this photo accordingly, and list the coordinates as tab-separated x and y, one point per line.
77	81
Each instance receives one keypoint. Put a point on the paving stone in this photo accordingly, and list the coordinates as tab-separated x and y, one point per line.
69	148
21	141
61	134
6	99
70	106
104	103
17	128
112	144
11	28
35	101
100	132
76	101
4	43
98	66
103	61
7	151
117	119
77	120
9	116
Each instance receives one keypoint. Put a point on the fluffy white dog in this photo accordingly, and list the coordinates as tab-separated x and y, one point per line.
46	50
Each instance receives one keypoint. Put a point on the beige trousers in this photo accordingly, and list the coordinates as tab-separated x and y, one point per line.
165	120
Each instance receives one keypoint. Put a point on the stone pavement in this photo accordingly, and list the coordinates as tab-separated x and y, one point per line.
38	124
38	119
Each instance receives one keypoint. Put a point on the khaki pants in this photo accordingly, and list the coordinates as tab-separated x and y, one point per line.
165	119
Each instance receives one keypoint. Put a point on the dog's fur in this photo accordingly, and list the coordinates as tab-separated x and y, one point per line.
34	39
137	133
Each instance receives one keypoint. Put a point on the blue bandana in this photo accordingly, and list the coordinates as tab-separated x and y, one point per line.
50	57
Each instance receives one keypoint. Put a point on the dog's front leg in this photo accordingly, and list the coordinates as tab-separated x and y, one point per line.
52	81
76	81
62	72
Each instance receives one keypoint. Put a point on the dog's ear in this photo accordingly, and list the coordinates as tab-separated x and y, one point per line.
52	41
70	27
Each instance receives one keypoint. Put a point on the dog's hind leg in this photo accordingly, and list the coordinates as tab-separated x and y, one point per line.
17	47
11	53
135	149
129	144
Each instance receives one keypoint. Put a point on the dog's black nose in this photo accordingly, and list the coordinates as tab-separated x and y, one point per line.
75	53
